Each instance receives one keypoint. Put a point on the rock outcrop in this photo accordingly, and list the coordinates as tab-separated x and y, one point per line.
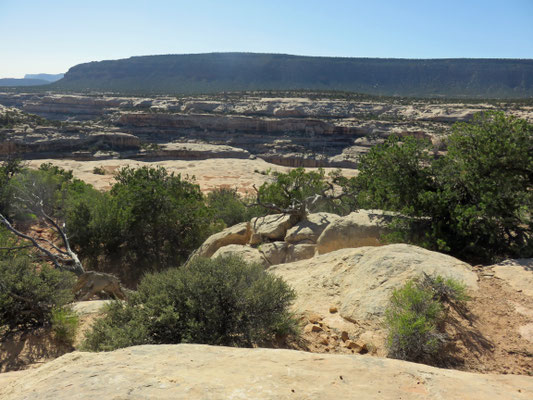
237	234
360	228
357	283
247	253
189	371
310	229
278	238
360	281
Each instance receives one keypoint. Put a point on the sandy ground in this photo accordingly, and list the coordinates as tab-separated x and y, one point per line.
209	174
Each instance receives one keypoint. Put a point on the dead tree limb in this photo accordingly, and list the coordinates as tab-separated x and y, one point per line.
300	208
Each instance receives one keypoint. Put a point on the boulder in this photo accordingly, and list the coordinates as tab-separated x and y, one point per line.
275	252
237	234
360	281
308	230
360	228
297	252
271	227
281	252
191	371
247	253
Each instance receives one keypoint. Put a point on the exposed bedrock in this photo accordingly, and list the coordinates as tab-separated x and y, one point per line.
290	132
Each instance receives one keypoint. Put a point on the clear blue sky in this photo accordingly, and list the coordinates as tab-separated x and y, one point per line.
53	35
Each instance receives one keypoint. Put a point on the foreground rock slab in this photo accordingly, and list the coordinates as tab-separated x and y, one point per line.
207	372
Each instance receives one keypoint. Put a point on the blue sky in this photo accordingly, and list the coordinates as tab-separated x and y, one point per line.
51	36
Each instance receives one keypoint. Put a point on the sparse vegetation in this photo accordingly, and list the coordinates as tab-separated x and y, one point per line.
65	323
301	192
99	171
221	302
417	315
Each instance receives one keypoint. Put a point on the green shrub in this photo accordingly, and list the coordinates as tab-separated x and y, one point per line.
150	220
298	185
28	295
65	323
231	208
8	168
220	302
99	171
416	317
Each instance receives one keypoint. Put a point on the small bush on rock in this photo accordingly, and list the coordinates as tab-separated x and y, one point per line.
416	317
220	302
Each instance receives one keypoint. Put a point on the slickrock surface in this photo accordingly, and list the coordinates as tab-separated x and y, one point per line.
207	372
360	281
518	273
210	174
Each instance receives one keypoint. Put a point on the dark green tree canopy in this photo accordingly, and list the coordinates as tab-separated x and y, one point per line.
476	200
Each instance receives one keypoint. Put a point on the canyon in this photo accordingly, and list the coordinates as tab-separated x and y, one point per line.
307	131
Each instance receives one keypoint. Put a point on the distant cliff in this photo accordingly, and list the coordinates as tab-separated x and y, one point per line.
215	72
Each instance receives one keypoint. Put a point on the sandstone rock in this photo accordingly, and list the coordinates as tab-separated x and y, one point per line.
237	234
247	253
188	371
324	340
360	228
308	230
314	318
526	331
271	227
517	273
197	151
89	307
361	280
275	252
297	252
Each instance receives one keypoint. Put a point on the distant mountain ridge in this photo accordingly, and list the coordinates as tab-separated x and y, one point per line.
45	77
216	72
22	82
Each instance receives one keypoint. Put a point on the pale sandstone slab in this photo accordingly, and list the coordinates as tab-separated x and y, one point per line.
360	281
189	371
270	227
517	273
308	230
358	229
247	253
236	234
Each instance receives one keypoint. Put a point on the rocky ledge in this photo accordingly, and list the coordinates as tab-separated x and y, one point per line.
189	371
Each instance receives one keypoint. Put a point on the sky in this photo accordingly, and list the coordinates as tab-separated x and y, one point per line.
50	36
